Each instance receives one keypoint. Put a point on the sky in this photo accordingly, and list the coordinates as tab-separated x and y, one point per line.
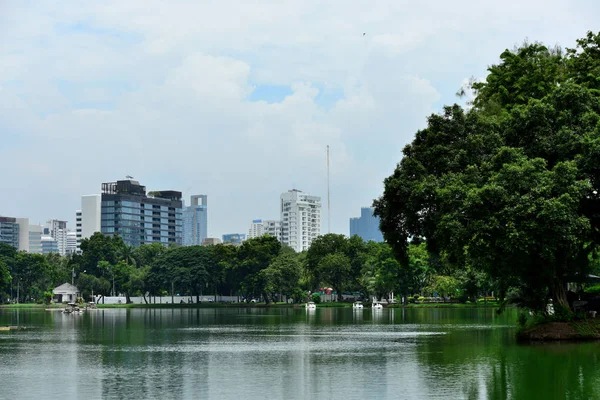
239	99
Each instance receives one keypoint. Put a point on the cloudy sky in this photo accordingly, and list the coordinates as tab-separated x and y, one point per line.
239	99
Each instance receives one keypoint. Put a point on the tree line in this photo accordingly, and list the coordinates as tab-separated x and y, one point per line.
261	268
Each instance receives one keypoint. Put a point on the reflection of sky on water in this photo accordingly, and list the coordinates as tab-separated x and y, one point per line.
285	353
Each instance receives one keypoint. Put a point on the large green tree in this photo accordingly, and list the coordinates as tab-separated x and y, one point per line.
510	187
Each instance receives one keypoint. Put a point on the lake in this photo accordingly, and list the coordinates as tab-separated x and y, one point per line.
257	353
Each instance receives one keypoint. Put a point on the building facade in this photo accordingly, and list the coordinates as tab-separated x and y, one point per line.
234	238
9	231
57	229
211	241
366	226
195	221
35	239
49	245
140	218
260	227
15	232
300	219
71	243
88	218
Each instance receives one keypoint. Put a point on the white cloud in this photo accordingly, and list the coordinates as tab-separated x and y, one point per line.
159	90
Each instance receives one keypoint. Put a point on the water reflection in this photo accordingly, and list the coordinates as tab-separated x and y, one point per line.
287	353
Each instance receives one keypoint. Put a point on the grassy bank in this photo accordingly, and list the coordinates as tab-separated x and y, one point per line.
578	330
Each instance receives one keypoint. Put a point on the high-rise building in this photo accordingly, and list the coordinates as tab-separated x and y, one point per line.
9	231
261	227
195	221
57	229
87	219
234	238
49	245
366	226
300	219
35	238
138	218
71	243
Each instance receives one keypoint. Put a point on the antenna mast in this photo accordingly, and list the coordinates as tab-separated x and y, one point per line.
328	196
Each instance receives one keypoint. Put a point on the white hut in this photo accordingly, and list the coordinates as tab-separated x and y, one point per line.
66	293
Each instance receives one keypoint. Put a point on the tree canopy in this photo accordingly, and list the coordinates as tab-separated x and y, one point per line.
510	186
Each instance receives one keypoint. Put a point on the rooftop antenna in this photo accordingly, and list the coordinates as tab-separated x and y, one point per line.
328	196
128	176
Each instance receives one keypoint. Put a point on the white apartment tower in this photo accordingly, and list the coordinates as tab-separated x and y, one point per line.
87	220
300	219
57	230
261	227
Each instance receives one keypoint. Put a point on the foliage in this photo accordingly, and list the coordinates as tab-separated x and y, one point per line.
511	187
315	298
595	289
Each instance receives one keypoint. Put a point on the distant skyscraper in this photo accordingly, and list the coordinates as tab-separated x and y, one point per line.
71	243
87	219
259	227
35	239
366	226
49	245
138	218
195	221
57	229
234	238
15	232
300	219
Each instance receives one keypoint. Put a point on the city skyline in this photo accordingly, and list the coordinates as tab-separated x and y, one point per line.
247	113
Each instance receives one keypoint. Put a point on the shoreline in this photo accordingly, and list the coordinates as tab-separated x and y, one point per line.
247	305
574	331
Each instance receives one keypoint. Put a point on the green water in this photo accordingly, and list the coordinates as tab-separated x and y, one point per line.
286	354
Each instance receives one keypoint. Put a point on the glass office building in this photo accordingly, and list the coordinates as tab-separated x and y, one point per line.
366	226
9	231
127	211
195	221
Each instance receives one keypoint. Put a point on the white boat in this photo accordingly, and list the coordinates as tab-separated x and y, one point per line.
311	306
376	306
357	305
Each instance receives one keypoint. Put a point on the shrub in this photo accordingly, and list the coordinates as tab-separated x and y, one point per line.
563	314
595	289
422	299
299	295
522	320
316	298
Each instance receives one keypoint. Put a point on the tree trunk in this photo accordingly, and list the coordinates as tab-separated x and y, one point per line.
144	296
558	290
127	298
340	297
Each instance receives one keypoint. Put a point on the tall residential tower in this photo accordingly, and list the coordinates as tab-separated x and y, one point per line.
300	219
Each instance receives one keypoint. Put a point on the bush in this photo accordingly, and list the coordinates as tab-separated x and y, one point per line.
299	295
595	289
421	299
522	320
316	298
563	314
